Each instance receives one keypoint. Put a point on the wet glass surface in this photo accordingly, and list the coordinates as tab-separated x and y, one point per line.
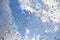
29	19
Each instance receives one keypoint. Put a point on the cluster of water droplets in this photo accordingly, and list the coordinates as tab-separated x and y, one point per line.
36	7
8	28
51	16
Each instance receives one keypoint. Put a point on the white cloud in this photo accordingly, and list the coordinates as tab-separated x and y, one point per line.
27	5
44	19
8	29
47	31
55	29
28	8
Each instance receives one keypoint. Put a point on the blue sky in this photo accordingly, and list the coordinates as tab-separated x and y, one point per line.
34	26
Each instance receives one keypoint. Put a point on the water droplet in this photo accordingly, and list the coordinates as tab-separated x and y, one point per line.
7	31
58	38
11	22
58	5
51	12
57	0
13	32
1	38
16	39
23	13
22	39
42	39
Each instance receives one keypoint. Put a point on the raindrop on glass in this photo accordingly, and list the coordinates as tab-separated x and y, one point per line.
11	23
22	38
58	38
1	38
7	31
16	39
51	12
